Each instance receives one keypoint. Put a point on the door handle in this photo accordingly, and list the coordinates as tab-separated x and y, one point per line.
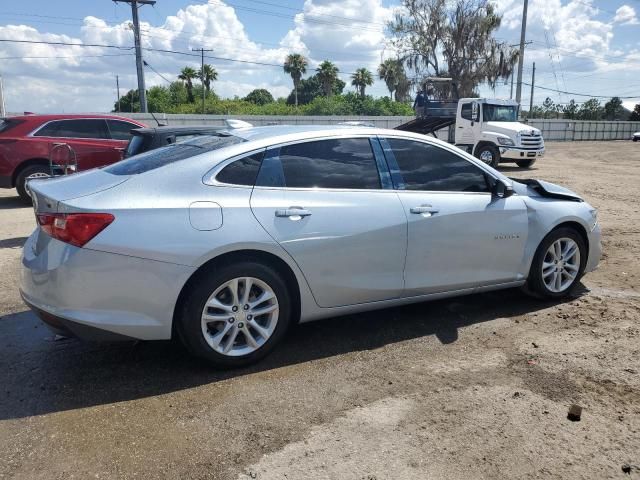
424	209
293	212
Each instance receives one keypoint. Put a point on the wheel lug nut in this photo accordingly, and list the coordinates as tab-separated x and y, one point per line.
234	308
249	317
231	320
246	307
240	325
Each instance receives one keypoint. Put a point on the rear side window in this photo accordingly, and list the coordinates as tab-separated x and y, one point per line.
337	163
427	167
120	130
241	172
78	128
170	154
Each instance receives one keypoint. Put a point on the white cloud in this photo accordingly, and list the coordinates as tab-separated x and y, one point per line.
626	15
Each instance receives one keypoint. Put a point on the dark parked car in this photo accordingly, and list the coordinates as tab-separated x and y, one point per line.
145	139
26	143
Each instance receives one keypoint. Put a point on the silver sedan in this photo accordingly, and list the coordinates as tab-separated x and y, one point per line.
225	241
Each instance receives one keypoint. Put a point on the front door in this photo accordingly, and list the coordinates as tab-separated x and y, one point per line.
322	201
459	236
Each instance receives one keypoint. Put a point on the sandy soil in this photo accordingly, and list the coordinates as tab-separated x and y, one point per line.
474	387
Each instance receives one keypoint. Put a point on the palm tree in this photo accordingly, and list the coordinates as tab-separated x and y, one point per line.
327	74
187	74
389	72
361	79
207	75
296	66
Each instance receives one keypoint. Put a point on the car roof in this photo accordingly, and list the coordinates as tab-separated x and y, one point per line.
71	116
179	129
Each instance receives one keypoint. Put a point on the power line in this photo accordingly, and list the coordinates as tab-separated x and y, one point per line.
146	64
576	94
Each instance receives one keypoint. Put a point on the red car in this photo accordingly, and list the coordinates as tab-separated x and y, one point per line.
26	143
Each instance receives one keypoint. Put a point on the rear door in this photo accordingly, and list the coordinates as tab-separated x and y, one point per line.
322	200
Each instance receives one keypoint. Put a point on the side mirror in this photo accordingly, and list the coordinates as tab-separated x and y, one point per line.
501	190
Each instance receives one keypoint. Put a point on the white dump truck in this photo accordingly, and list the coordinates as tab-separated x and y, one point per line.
485	127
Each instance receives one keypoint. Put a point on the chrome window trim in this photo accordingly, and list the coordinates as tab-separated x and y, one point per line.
37	129
209	178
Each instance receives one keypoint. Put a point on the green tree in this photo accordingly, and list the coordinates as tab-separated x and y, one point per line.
635	115
361	79
455	37
259	96
548	108
187	74
207	74
613	109
570	110
296	66
327	74
590	110
311	88
129	102
388	72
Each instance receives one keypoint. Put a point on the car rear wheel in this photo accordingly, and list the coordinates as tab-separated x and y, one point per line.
235	314
31	172
558	264
525	163
489	155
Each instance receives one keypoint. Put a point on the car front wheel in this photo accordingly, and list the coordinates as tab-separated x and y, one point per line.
489	155
558	264
235	315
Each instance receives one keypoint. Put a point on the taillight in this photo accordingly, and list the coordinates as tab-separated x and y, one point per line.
74	228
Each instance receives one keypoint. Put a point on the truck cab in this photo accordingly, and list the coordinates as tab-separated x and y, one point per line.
489	129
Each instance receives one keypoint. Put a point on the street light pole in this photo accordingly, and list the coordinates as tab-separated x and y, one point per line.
142	92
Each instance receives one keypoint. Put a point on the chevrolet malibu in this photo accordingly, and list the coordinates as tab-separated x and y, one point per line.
225	241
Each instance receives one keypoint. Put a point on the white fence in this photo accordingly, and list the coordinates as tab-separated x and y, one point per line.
552	129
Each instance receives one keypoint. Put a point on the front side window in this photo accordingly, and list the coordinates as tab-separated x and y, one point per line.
343	163
77	128
241	172
121	130
427	167
465	111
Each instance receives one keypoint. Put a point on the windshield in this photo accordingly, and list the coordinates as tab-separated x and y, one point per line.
172	153
500	113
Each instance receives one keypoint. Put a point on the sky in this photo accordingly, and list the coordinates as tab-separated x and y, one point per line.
589	47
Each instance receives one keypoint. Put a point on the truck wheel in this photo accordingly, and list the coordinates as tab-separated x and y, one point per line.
489	155
34	171
525	163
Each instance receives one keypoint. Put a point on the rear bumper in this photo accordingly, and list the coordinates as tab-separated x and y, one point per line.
6	181
515	153
98	295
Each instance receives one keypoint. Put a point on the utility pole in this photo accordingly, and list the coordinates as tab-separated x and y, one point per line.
136	36
533	81
511	94
3	112
202	50
118	91
521	56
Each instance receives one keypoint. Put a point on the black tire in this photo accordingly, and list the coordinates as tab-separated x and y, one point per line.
489	149
22	178
526	163
189	315
635	139
535	283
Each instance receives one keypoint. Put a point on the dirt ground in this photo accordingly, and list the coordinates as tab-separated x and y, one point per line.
474	387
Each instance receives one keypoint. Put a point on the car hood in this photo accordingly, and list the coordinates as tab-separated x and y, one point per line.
511	128
540	188
49	192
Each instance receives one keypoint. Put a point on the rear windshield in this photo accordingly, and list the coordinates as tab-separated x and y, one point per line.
8	123
172	153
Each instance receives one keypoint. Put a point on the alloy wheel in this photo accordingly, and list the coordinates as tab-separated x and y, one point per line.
486	156
561	264
31	177
240	316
